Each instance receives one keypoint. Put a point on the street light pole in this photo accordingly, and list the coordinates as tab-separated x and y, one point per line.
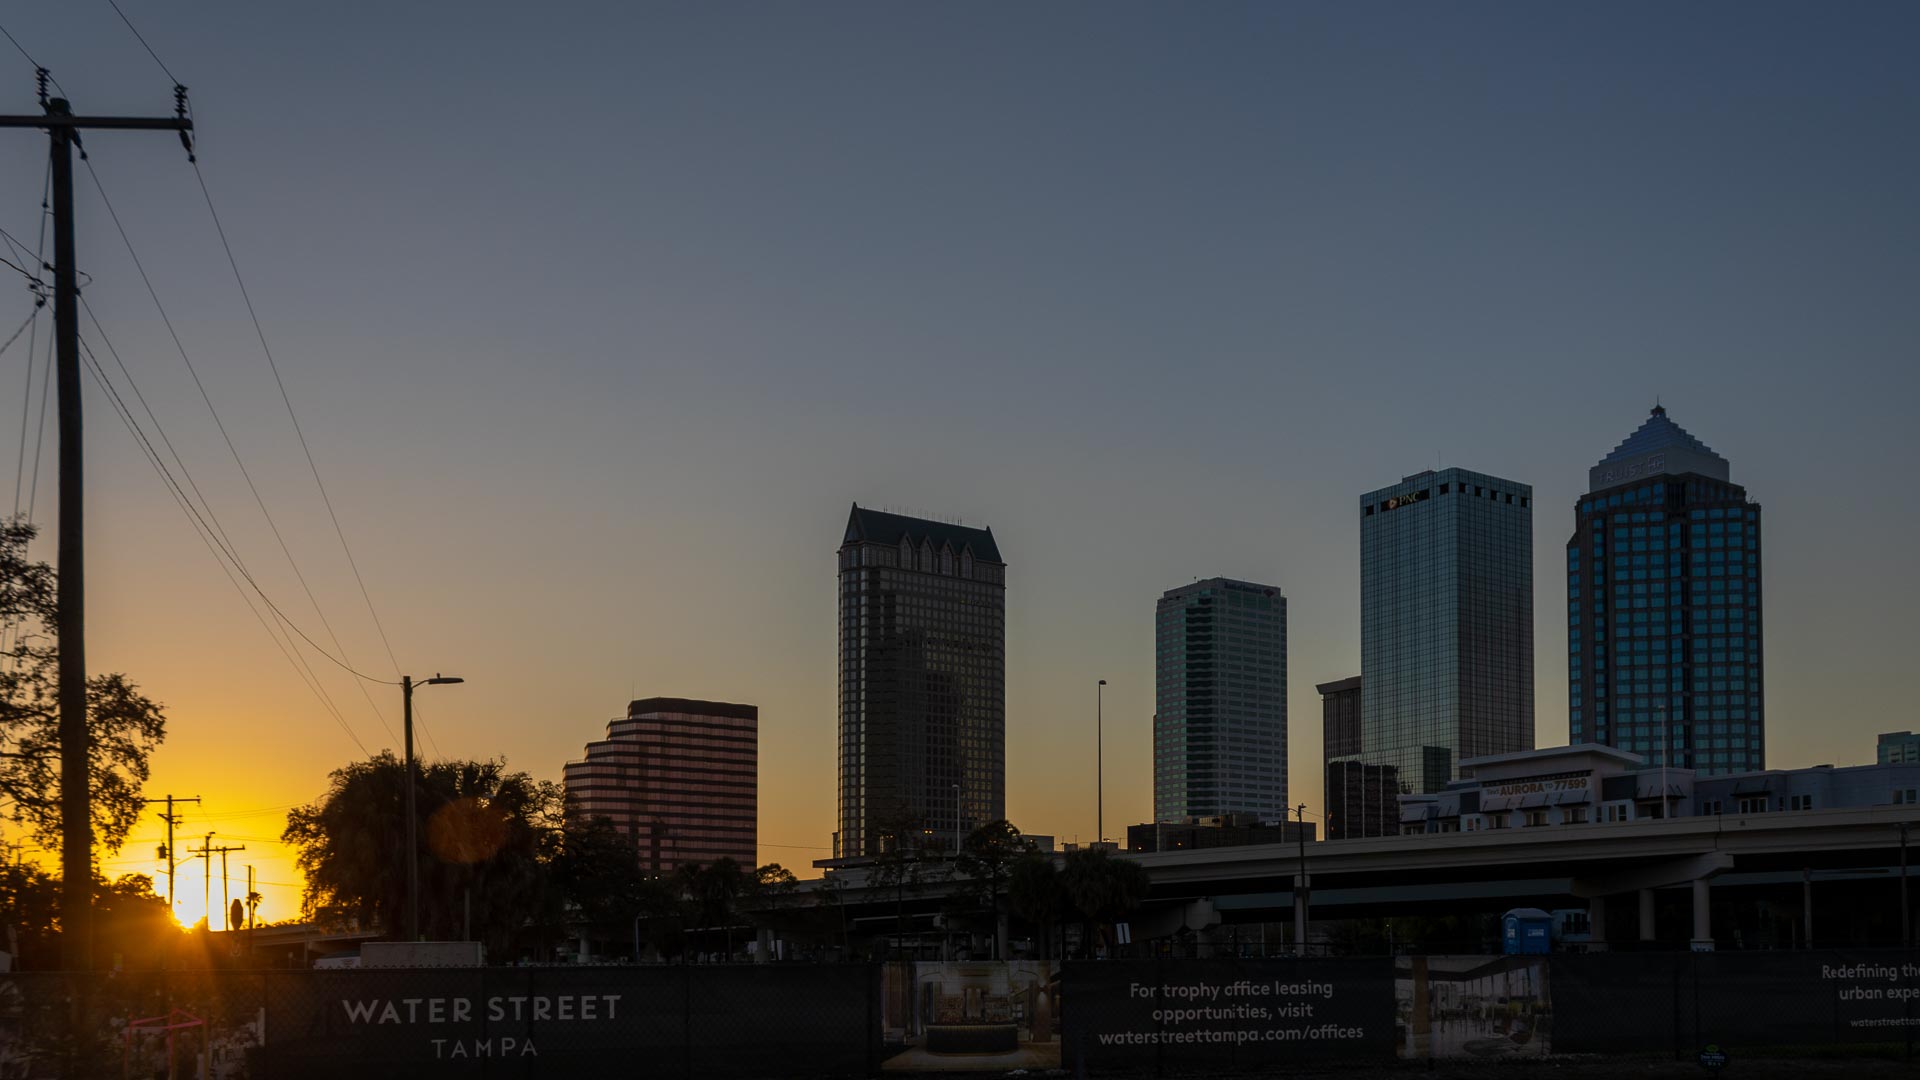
1099	764
413	824
1301	889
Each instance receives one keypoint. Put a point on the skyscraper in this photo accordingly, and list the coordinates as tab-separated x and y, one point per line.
680	778
1446	623
922	680
1663	606
1220	720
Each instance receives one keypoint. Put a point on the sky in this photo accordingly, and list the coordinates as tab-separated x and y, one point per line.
598	317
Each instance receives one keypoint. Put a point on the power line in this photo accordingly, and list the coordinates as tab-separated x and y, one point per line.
202	530
143	41
36	64
208	533
339	661
286	400
225	542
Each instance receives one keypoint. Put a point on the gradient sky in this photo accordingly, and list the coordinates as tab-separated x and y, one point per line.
598	316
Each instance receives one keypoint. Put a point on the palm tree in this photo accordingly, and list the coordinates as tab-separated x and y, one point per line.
1103	889
987	858
1033	888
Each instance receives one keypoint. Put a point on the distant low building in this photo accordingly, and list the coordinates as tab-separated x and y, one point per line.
1897	747
677	777
1590	784
1231	830
1361	799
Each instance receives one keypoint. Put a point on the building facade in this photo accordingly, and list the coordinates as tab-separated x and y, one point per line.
1588	784
1230	830
1220	695
922	680
1360	799
1895	747
677	777
1446	623
1664	606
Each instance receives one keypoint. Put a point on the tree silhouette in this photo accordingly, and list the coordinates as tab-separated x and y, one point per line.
486	835
123	726
987	858
1033	888
1102	888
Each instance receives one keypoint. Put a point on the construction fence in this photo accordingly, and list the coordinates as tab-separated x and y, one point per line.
1165	1016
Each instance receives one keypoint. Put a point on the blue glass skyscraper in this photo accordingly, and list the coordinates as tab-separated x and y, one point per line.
1663	606
1446	623
1220	701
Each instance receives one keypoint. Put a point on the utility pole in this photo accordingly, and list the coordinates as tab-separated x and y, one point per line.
206	892
171	819
70	620
226	897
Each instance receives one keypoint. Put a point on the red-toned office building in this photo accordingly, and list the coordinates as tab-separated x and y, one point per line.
679	778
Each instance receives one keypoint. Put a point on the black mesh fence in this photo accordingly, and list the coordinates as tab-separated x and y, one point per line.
1765	1002
1178	1016
1173	1017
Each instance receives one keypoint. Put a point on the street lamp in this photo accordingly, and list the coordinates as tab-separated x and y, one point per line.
413	825
1099	765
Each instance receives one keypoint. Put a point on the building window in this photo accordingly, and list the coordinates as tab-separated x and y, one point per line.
1755	805
1800	802
1574	815
1536	818
1904	797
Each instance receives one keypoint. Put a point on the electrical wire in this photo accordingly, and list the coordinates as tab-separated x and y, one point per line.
204	531
286	400
211	534
143	41
36	64
225	543
24	323
420	722
339	661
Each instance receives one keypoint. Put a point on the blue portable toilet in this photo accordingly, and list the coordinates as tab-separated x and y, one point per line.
1526	931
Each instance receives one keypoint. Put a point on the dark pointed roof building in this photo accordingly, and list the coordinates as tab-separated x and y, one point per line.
922	681
1664	606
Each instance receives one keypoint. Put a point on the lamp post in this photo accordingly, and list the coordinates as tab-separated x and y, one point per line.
1302	888
413	825
1099	765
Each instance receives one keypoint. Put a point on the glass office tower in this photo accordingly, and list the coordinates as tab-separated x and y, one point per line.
1663	606
923	677
1446	623
1220	696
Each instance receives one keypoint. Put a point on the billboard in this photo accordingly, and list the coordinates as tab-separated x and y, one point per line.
964	1016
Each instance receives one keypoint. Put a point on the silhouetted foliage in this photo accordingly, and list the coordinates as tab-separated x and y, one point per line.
124	725
903	861
596	872
987	858
1102	888
486	836
132	926
1033	887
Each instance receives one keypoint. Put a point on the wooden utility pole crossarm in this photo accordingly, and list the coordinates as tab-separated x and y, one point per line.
76	803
